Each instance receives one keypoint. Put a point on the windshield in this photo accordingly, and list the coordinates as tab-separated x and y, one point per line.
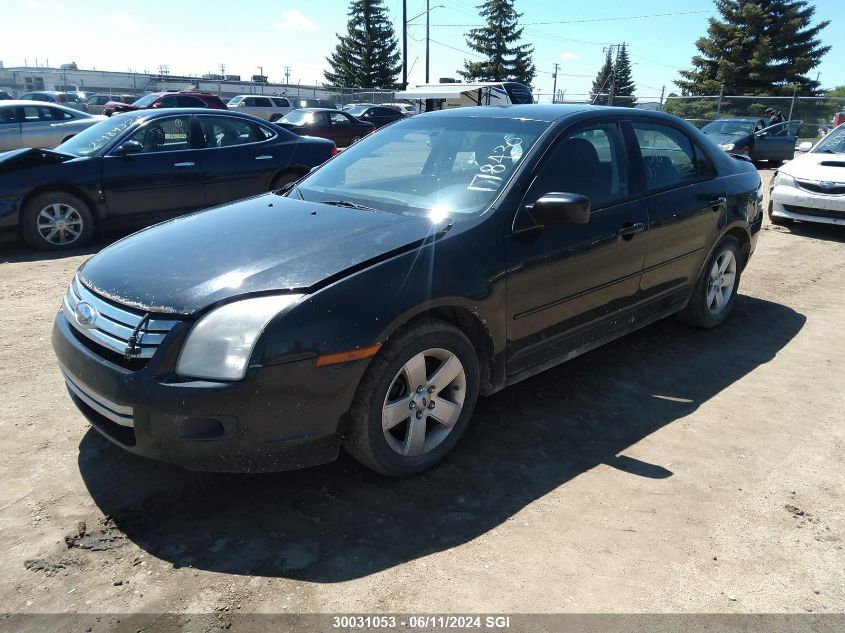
833	143
234	101
432	167
89	142
143	102
357	110
732	127
297	117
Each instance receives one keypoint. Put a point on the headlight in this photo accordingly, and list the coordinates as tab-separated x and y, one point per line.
220	344
783	180
728	147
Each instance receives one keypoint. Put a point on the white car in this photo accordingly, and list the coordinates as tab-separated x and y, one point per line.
267	108
811	188
404	108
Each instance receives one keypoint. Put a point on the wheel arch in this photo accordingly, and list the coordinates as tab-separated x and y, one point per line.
742	235
74	190
297	168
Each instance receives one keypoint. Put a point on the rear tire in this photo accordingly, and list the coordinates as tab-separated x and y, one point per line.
714	293
407	413
56	221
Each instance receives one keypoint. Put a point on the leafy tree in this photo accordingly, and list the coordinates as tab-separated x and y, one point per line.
623	80
368	55
757	47
506	60
601	84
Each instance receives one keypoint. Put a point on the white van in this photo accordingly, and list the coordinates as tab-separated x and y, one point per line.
460	95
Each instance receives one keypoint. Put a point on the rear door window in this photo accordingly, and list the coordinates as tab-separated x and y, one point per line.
668	156
228	131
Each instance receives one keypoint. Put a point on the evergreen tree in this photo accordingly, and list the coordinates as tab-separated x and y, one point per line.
506	60
757	47
368	55
623	80
601	84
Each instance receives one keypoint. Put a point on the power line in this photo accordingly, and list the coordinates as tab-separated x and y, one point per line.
585	20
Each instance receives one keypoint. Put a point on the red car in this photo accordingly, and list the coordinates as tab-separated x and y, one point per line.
184	99
335	125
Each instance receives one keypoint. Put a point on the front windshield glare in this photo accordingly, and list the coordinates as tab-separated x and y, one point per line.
433	167
89	142
833	143
143	102
734	128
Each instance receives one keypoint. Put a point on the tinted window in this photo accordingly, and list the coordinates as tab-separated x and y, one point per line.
591	161
384	112
167	102
163	135
339	119
262	102
8	115
281	103
32	114
668	155
185	101
226	131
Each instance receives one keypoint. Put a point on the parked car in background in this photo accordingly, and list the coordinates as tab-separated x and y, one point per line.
4	96
267	108
379	116
445	257
404	108
349	106
40	124
313	103
339	126
184	99
75	100
97	102
141	167
811	188
752	138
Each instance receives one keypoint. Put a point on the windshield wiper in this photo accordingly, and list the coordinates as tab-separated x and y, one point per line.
349	205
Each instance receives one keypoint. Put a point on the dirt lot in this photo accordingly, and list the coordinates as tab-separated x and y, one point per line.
672	471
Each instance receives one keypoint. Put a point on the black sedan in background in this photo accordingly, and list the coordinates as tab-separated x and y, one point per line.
446	257
755	138
335	125
138	168
379	116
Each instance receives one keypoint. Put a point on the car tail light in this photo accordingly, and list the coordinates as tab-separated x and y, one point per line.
334	151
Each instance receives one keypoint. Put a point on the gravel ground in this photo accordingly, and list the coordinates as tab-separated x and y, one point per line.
671	471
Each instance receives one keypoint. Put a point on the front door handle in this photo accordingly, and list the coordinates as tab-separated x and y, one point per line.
183	164
264	157
718	201
628	230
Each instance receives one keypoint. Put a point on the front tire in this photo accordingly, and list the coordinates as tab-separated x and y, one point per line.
56	221
714	293
415	400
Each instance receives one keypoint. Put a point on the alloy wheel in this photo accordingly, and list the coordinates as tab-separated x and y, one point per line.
424	402
59	223
721	282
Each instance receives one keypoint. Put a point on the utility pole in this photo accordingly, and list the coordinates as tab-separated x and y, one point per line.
612	72
223	69
287	74
261	77
662	92
404	44
554	85
427	41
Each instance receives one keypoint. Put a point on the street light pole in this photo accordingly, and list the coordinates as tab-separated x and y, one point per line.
404	44
427	41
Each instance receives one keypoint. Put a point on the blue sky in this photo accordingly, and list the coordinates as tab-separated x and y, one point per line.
194	37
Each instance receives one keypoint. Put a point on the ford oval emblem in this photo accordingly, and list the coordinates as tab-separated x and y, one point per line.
85	314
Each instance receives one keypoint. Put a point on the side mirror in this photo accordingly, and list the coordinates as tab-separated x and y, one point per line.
561	208
129	147
806	146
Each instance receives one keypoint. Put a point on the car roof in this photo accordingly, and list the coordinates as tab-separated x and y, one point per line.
46	104
164	112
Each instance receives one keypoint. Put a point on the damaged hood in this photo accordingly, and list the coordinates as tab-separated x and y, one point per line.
30	157
268	243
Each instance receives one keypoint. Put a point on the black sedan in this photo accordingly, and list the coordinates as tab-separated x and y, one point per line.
755	138
141	167
368	306
379	116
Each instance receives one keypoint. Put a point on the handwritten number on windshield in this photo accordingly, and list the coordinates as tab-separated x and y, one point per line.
488	178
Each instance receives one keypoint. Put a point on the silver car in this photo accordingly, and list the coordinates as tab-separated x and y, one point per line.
268	108
39	124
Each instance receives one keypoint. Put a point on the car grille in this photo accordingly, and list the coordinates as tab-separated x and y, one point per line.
117	413
819	213
111	325
838	188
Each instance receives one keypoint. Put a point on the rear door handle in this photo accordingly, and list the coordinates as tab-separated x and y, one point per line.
718	201
628	230
264	157
183	164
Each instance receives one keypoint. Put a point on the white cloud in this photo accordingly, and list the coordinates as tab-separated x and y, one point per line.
294	20
122	19
569	56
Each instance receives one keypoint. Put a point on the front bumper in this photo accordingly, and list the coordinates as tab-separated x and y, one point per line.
277	418
796	204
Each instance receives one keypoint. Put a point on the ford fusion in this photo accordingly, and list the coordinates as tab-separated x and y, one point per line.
370	304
